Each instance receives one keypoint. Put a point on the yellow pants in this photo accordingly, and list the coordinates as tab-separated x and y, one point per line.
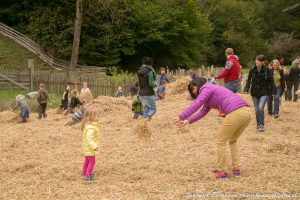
232	127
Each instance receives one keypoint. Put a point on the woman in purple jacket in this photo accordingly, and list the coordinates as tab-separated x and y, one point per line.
235	111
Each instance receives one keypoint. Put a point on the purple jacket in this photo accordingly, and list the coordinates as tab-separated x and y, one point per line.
212	96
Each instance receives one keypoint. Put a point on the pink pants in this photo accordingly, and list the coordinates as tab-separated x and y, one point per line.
88	166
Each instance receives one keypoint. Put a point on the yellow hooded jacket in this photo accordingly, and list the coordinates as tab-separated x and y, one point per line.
90	139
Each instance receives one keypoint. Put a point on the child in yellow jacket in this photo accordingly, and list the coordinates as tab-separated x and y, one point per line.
90	142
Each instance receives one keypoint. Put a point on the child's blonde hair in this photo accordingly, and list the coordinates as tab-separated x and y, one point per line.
211	74
74	93
90	115
19	96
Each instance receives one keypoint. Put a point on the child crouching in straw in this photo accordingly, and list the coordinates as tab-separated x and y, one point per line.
21	102
236	119
90	142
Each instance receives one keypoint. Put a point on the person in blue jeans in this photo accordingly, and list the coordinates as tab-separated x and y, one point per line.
161	77
21	102
161	91
279	81
146	77
261	82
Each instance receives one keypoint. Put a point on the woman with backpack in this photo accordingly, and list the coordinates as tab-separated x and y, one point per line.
262	84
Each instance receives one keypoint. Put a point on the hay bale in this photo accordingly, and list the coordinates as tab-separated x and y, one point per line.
178	87
112	102
86	97
8	116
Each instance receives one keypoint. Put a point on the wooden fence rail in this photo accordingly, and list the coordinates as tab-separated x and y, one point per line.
12	81
97	82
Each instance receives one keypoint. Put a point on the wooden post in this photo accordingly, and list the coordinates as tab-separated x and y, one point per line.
202	70
31	73
212	69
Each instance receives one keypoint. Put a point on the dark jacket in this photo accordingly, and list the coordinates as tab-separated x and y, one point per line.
65	96
75	102
144	83
42	96
294	74
286	77
282	80
261	83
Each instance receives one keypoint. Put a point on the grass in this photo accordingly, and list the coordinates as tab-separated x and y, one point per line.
14	57
8	97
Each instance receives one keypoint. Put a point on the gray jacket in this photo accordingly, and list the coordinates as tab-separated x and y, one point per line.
21	103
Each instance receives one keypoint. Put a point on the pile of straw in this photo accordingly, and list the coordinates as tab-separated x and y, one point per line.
86	97
142	129
178	87
42	159
8	116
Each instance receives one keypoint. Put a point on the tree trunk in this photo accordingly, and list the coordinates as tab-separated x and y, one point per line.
76	40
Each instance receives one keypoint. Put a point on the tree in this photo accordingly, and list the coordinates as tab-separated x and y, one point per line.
175	33
77	31
234	25
172	32
284	44
51	25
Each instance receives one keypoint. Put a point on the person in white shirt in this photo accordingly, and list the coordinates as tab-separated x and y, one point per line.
85	88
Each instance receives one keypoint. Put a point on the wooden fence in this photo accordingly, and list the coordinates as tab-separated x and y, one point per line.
201	72
103	85
98	83
19	78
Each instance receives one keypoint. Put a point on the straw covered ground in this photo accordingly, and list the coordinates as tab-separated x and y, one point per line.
42	159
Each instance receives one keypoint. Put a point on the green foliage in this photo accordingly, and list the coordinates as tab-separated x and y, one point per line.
184	33
51	26
106	33
235	25
282	30
172	32
118	74
274	20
